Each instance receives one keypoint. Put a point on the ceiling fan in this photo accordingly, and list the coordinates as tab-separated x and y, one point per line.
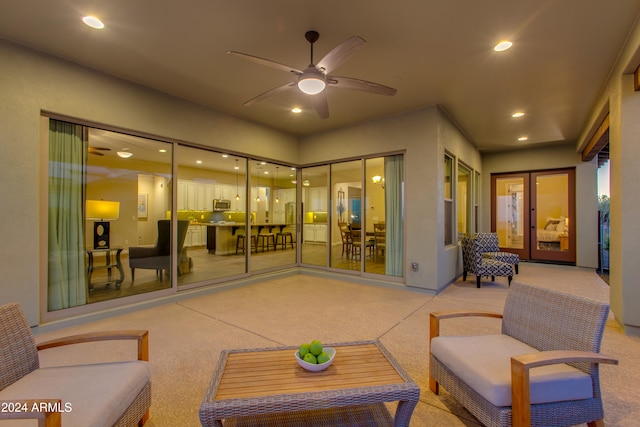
315	78
97	150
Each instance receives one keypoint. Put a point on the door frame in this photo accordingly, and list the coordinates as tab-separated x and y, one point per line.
530	250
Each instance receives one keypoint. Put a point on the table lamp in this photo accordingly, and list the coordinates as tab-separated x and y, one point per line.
101	211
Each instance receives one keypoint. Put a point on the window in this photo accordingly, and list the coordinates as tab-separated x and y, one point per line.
464	199
448	200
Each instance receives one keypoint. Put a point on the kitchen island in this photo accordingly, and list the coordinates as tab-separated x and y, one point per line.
222	237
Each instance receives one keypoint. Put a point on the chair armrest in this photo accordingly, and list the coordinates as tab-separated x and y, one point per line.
46	411
436	316
142	336
522	364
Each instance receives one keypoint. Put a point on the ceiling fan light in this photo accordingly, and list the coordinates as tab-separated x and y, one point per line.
311	85
124	154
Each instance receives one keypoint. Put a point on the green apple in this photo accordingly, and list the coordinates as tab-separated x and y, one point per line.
315	347
323	358
310	358
304	349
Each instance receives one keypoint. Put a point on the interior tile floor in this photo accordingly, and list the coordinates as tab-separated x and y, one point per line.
186	337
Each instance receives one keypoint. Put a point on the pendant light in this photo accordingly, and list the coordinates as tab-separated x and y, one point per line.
237	192
277	191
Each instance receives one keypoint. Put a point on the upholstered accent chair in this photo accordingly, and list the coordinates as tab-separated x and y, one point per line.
541	370
97	394
158	256
491	249
474	263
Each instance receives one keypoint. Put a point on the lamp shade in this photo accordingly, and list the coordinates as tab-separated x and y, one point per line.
102	209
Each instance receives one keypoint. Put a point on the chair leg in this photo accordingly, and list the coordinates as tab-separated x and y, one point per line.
596	423
144	419
133	274
493	278
464	275
478	281
510	277
516	268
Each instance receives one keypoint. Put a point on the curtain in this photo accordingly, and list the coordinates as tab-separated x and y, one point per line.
67	285
394	214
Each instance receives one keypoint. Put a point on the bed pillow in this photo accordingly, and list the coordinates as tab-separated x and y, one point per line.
551	225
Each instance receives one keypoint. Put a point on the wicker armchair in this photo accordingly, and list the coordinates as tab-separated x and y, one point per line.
542	370
491	249
99	394
474	263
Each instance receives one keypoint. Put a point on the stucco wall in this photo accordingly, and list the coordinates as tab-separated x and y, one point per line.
31	82
424	135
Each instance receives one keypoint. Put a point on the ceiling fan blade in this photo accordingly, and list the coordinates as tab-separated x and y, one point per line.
341	53
321	105
363	85
270	92
265	62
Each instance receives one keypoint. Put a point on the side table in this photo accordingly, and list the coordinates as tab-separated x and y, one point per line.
112	260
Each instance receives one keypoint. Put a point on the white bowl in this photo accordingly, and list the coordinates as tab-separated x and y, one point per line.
317	367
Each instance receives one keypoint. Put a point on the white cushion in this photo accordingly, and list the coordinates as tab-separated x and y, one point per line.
483	362
98	394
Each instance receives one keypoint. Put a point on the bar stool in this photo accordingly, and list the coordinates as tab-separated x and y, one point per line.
283	238
268	239
240	243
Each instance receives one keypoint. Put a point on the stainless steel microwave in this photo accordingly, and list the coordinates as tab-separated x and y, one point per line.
220	205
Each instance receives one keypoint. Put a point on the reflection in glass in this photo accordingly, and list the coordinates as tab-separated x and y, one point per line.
464	200
510	212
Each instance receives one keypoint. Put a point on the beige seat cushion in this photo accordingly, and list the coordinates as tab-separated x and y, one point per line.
483	362
98	394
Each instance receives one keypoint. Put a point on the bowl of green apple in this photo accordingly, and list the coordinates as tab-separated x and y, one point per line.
314	356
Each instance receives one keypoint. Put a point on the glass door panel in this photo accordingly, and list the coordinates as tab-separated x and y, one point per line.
314	215
346	184
207	186
273	215
510	207
552	207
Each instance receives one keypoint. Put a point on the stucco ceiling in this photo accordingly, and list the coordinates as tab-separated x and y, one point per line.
432	52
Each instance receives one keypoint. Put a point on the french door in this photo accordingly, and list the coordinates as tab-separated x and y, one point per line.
533	213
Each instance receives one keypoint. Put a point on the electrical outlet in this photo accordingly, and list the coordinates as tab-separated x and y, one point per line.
414	266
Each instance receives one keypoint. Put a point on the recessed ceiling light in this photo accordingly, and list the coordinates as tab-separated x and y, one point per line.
225	156
199	162
162	150
296	110
523	138
517	114
266	172
124	154
503	45
93	22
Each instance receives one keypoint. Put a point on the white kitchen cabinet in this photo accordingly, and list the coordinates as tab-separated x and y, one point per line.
315	199
196	235
204	197
315	233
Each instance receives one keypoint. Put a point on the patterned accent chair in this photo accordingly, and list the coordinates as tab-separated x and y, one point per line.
474	263
491	249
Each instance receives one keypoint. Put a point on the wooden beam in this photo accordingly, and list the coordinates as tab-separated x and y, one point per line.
599	139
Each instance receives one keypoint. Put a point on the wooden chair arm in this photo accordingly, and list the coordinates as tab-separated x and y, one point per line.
142	336
436	316
522	364
46	411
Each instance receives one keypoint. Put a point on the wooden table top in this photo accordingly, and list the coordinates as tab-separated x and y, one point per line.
275	372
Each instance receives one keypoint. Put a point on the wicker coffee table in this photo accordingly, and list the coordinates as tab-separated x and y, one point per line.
267	387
